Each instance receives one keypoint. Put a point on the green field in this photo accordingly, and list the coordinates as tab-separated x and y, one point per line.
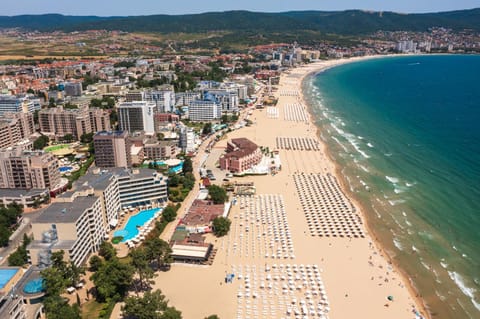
57	147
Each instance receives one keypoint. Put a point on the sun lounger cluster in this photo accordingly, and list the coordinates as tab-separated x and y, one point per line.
297	143
327	210
272	112
281	291
261	229
289	93
296	112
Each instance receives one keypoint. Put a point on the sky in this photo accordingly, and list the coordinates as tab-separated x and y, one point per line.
148	7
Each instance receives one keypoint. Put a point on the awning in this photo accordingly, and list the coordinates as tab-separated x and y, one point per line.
114	222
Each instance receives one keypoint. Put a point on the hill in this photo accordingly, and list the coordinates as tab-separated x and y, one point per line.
350	22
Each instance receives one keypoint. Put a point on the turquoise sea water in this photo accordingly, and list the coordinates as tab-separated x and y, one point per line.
405	132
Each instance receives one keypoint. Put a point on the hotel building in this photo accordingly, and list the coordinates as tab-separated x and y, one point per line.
136	116
241	155
112	149
140	186
58	122
15	127
204	110
18	103
28	169
73	224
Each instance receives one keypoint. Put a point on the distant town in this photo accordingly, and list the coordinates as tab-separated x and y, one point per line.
101	128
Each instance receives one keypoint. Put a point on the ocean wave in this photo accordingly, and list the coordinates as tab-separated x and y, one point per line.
370	145
398	190
388	154
396	202
408	222
415	249
393	180
410	184
443	264
467	291
398	244
364	168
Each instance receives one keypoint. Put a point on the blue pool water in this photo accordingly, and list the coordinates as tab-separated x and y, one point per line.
6	275
33	286
175	169
138	220
64	169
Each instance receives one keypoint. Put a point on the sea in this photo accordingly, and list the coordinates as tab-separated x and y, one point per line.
405	134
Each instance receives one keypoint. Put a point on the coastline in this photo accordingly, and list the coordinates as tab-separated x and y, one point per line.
356	272
308	76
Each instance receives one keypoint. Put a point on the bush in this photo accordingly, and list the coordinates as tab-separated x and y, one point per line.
221	226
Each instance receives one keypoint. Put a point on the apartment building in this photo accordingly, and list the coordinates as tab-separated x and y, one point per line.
136	116
188	141
112	149
15	127
73	224
28	169
58	122
159	150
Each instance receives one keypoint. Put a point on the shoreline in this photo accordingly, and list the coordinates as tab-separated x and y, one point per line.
308	76
355	271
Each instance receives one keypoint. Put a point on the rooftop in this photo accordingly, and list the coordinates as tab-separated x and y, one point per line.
67	212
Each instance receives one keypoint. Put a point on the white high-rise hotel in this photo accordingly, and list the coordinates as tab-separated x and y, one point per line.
136	116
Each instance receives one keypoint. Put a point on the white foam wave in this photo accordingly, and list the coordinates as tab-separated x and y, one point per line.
408	222
396	202
392	180
443	264
410	184
467	291
398	244
370	145
360	137
415	249
364	168
398	190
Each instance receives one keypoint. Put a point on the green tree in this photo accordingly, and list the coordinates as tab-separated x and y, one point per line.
142	268
169	214
159	251
173	180
95	263
217	194
207	129
221	226
86	138
20	257
58	308
212	317
41	142
107	251
187	165
68	138
188	181
150	306
112	280
54	282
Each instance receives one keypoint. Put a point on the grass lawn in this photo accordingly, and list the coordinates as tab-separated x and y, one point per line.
91	309
56	147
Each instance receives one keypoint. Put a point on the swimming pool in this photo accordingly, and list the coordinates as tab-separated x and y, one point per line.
130	230
6	274
64	169
34	286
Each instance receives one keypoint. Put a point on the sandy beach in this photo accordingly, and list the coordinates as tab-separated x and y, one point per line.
300	243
